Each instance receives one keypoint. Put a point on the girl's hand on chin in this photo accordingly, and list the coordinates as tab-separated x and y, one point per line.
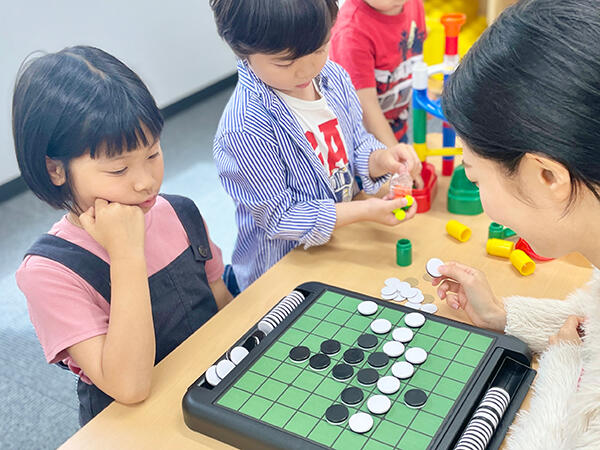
119	228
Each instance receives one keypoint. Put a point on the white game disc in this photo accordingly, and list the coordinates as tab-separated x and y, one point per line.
381	326
433	267
367	308
403	334
411	292
388	291
415	355
379	404
360	422
392	282
236	354
430	308
211	376
388	385
403	370
413	305
414	320
265	327
224	367
393	348
417	298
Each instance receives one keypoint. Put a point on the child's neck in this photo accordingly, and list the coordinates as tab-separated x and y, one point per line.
74	219
390	12
308	93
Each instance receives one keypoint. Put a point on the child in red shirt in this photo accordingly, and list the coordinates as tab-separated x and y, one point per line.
377	42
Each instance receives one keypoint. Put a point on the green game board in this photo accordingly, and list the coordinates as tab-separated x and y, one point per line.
293	397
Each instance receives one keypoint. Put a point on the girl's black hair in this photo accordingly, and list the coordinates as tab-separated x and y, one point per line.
531	84
78	100
299	27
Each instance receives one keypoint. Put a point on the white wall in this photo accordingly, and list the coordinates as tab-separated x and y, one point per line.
173	45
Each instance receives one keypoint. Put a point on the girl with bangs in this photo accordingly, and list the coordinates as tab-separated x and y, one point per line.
128	273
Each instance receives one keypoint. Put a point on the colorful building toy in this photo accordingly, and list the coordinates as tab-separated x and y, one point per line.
458	231
523	263
403	252
465	199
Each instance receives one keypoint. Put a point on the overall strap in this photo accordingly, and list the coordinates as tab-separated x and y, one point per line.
81	261
192	222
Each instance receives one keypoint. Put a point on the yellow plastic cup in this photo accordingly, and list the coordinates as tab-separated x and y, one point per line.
523	263
499	247
458	231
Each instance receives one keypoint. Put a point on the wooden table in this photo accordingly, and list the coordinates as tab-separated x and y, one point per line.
358	257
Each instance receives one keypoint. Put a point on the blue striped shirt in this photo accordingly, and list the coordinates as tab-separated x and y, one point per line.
280	188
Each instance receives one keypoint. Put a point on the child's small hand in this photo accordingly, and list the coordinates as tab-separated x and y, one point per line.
393	158
118	228
467	288
382	210
569	332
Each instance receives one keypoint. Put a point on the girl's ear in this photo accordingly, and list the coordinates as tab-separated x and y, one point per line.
551	175
56	171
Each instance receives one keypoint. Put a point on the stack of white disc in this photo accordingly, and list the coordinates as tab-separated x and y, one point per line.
400	291
278	314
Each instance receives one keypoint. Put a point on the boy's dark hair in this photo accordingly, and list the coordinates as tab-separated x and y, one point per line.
273	26
78	100
531	84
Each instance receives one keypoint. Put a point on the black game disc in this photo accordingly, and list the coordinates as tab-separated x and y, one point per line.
378	359
342	372
330	347
319	361
336	414
354	355
367	376
352	396
415	398
367	341
253	340
300	353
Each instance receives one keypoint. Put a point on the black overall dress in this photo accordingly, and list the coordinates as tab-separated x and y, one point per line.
181	297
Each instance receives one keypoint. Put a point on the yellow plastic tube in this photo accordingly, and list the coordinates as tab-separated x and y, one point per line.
458	231
523	263
499	247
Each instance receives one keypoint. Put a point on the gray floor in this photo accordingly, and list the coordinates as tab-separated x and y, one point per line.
39	405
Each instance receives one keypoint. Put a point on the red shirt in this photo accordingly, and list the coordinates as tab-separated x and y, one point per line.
379	51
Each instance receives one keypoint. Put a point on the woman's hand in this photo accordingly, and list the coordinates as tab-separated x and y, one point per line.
570	331
467	288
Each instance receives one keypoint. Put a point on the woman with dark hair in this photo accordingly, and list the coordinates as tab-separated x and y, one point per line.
526	103
127	274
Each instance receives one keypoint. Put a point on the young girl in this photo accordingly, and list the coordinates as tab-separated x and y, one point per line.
526	103
127	274
291	141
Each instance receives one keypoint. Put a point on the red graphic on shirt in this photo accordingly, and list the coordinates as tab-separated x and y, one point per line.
331	135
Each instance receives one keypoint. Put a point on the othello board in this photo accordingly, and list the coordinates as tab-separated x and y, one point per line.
316	373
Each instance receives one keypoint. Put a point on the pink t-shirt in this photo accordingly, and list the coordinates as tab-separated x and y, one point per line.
65	309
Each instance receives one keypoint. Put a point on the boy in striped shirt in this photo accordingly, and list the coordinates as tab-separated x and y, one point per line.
291	142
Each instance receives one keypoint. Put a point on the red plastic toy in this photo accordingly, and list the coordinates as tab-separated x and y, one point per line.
524	246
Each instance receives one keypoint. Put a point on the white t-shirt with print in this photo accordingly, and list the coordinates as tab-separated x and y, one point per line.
322	130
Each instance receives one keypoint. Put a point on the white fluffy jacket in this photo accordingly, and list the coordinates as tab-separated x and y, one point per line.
565	410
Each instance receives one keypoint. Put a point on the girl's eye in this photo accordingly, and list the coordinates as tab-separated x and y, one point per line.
118	172
153	156
284	65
